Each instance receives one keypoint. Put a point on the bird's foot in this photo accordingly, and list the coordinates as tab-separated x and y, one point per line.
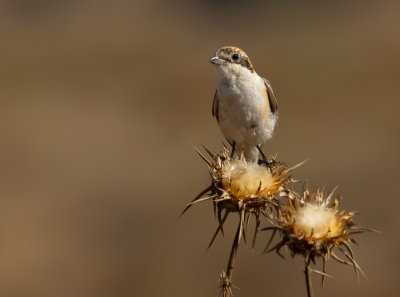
264	161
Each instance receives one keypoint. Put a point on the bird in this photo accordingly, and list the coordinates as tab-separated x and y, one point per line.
244	103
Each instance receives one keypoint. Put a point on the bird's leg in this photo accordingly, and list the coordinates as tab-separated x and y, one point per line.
233	149
264	160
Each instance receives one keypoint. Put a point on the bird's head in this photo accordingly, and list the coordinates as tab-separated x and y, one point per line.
230	59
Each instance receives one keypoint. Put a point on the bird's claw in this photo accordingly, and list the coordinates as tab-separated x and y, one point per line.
264	161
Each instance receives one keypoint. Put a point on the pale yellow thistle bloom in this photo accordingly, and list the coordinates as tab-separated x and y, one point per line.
312	226
315	221
243	179
243	187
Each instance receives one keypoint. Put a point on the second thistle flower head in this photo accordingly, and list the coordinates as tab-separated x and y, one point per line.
312	225
315	222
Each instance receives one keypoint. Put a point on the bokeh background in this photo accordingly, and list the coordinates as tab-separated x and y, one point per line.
101	102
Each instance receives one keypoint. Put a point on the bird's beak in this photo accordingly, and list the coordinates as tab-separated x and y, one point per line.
217	61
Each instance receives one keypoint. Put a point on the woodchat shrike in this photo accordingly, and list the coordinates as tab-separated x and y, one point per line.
244	103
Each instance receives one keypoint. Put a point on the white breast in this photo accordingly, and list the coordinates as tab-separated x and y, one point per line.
244	111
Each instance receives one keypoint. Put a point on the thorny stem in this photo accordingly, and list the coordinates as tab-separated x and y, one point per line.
227	284
307	273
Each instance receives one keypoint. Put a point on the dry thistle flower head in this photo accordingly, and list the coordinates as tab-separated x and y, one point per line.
246	180
243	187
312	226
248	183
315	222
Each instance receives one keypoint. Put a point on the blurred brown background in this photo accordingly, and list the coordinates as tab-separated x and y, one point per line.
101	100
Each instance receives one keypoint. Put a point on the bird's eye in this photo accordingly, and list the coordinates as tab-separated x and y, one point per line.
235	56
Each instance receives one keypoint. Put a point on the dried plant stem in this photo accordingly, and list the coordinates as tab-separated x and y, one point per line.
232	257
307	272
227	284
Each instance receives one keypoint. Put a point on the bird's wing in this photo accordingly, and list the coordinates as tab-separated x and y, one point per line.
273	104
215	106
